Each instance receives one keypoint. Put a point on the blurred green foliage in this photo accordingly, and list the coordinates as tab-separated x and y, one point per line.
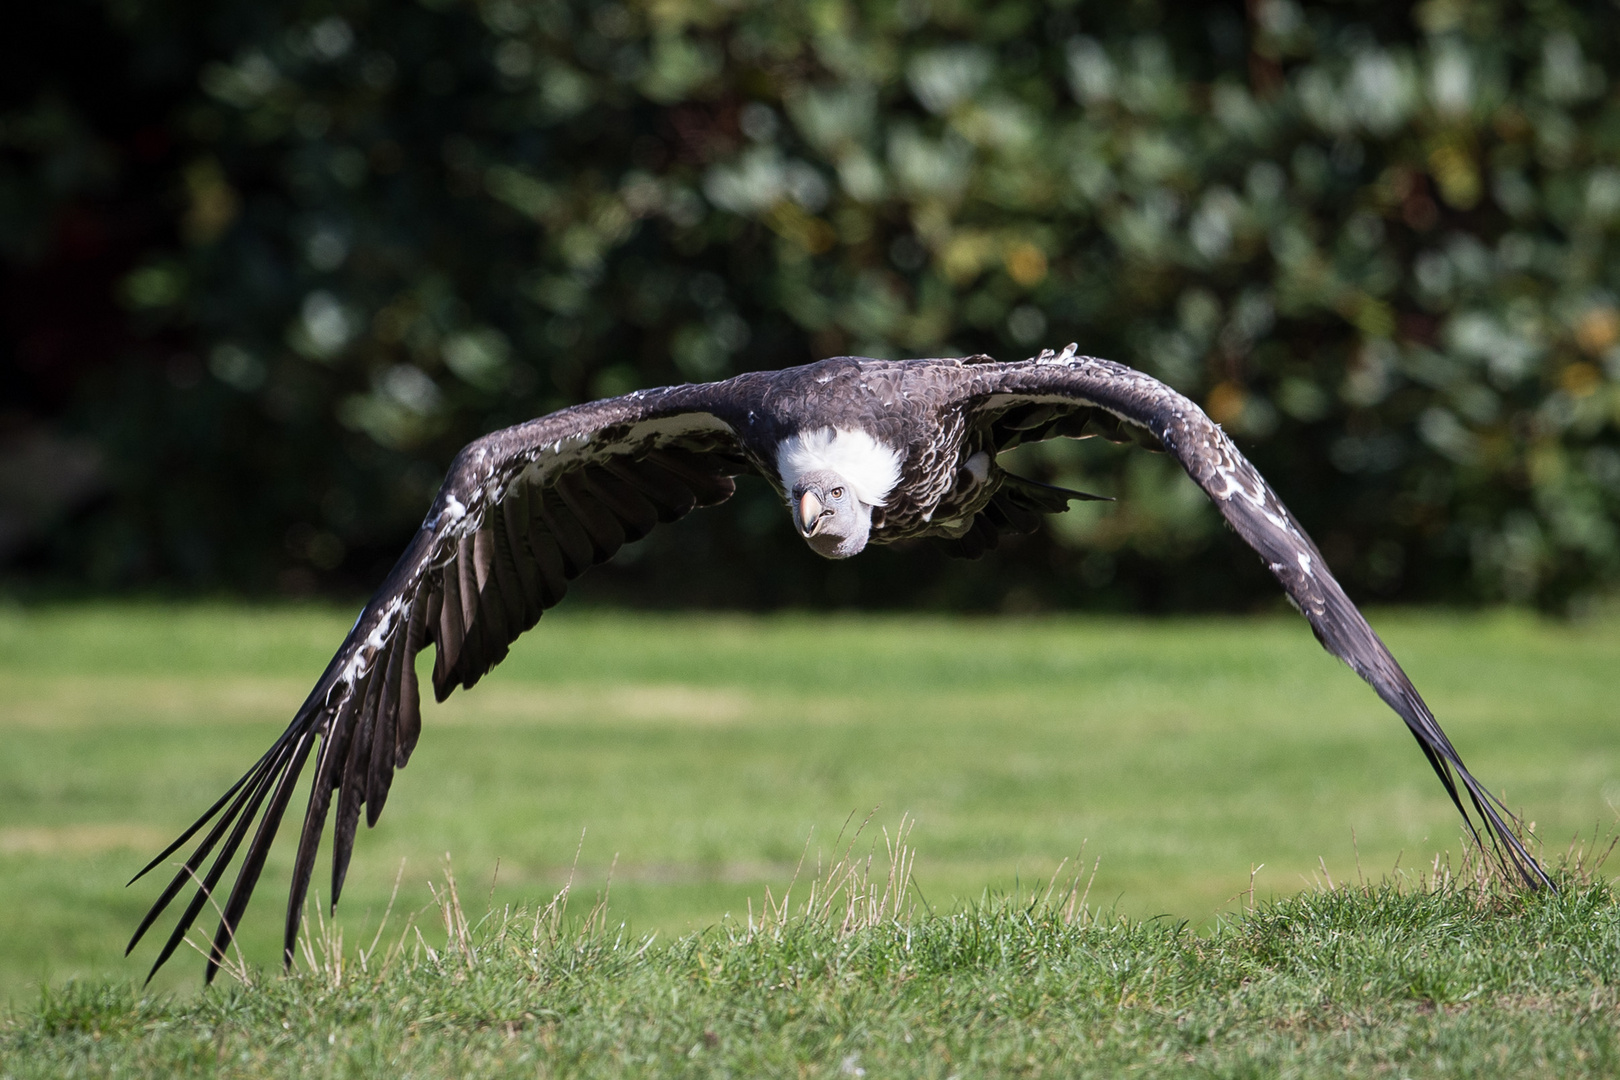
1378	244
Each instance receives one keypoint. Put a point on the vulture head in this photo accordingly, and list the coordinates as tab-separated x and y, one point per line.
835	479
827	514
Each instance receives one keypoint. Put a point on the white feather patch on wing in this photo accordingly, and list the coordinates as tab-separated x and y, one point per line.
870	468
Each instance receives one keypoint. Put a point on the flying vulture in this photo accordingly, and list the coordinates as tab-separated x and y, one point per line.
863	451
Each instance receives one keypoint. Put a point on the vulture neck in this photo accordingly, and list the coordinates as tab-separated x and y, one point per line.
869	467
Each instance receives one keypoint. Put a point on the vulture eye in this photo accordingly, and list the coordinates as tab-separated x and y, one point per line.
837	493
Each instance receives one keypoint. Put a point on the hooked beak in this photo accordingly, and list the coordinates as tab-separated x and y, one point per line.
809	512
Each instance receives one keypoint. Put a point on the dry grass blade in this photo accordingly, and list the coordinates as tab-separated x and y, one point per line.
234	965
550	917
458	932
847	895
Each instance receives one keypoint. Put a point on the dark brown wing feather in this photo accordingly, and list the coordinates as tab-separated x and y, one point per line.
1017	507
522	512
1069	395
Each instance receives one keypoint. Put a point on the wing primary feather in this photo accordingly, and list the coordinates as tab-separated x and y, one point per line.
1047	498
604	530
467	569
671	498
572	542
718	461
550	566
1027	417
385	735
492	603
1443	758
1107	426
1072	425
452	634
430	616
494	629
636	515
708	487
205	889
1344	632
352	785
207	816
253	862
410	695
483	552
187	872
530	592
334	739
508	582
473	629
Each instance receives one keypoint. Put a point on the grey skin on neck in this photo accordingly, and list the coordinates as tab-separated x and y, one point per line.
827	514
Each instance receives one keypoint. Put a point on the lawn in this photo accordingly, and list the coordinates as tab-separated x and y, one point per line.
1454	977
696	755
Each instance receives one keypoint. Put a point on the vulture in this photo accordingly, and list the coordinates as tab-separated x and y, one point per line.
862	451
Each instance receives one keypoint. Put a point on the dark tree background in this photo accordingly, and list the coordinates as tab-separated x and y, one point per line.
267	265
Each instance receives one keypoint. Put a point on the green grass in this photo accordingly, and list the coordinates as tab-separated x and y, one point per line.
701	752
1381	980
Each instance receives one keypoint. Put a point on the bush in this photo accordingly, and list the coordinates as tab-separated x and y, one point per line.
1377	247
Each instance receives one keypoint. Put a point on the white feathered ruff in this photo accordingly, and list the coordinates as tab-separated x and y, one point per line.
870	468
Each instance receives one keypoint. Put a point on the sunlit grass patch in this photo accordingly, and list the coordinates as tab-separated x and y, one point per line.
845	973
696	753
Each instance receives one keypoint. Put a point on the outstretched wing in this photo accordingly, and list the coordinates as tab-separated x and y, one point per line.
1062	394
521	513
